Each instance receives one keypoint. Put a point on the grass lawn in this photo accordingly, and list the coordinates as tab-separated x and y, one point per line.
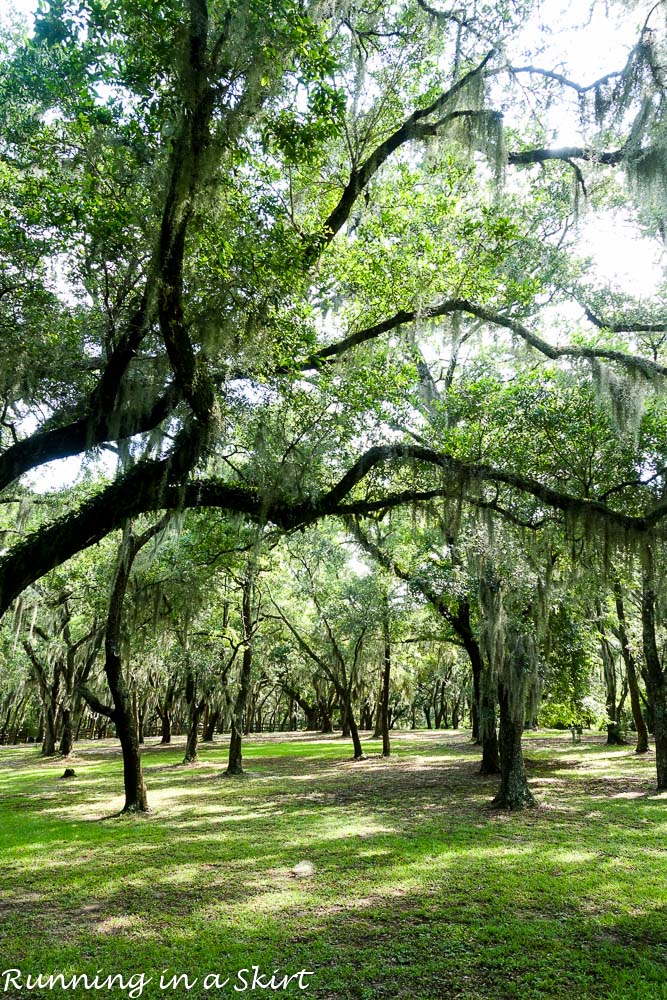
419	891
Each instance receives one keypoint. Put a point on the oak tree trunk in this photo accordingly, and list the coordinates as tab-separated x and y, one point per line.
514	792
386	678
656	681
631	672
235	761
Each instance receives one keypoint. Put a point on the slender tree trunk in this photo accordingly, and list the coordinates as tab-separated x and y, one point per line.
165	727
534	701
211	722
377	721
141	718
475	702
235	761
136	799
195	709
631	671
437	705
614	735
656	681
386	678
484	701
5	728
354	733
192	742
490	763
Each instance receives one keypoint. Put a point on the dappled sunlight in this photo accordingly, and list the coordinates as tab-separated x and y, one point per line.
407	843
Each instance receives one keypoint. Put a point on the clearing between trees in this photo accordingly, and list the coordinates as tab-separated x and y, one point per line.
419	890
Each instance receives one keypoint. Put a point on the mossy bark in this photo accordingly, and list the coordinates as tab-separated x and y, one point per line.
514	792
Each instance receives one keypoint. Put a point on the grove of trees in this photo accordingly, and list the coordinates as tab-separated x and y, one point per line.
366	440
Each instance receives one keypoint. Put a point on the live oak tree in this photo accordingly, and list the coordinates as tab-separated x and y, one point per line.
227	231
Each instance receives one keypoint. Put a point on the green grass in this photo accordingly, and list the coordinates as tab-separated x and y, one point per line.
419	891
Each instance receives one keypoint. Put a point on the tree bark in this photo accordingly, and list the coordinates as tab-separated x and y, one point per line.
164	711
327	720
386	678
123	714
165	728
211	723
475	702
353	732
484	694
631	671
490	763
235	761
196	708
656	681
49	740
67	739
514	792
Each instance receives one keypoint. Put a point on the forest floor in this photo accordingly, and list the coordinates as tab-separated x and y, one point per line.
418	891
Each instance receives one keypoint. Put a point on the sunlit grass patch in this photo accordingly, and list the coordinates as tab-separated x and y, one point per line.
418	889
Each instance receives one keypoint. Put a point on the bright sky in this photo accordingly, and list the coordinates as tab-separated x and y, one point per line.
582	53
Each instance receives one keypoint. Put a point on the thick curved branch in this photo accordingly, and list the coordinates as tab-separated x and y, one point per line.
81	435
543	154
153	486
410	129
95	704
633	362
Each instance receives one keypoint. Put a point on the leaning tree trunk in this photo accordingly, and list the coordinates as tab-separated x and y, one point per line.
122	714
353	730
656	680
211	722
235	761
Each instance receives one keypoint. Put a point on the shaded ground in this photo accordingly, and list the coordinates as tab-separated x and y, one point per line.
419	890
